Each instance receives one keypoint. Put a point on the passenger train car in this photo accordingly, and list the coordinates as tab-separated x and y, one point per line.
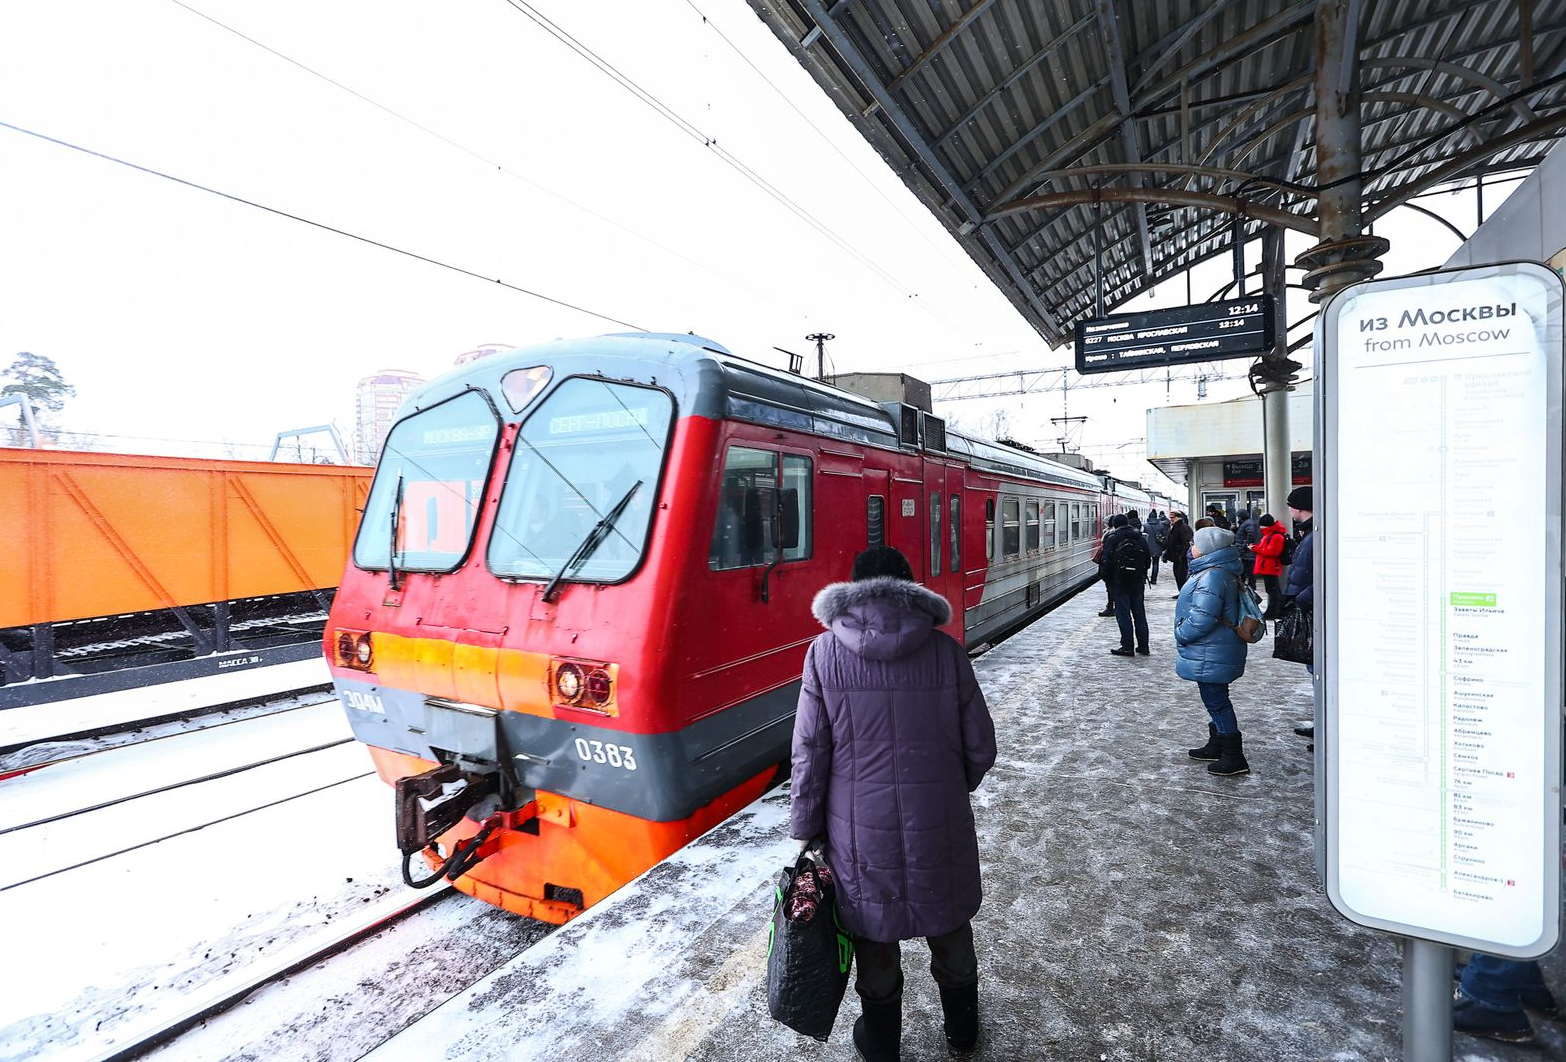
572	625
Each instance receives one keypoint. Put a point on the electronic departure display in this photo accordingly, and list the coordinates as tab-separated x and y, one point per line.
1213	331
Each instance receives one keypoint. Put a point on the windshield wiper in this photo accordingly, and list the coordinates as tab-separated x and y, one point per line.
396	525
594	539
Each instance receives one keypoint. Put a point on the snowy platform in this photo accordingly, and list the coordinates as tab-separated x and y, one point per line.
1136	908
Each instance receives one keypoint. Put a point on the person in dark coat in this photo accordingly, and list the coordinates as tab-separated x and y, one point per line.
1208	650
1155	530
1269	563
891	736
1247	533
1219	518
1125	567
1133	520
1101	559
1301	585
1177	544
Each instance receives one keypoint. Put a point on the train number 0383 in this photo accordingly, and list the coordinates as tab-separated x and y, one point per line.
622	756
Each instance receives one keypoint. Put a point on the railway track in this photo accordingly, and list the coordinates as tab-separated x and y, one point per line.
178	1022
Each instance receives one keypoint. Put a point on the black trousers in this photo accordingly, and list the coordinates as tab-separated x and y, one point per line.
1274	595
878	965
1131	614
1182	567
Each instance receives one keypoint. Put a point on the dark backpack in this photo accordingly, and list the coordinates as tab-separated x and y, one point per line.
1129	559
1286	558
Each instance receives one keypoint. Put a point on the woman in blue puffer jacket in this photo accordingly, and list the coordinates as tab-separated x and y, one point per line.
1209	652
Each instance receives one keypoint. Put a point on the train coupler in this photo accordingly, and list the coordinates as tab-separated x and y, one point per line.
431	803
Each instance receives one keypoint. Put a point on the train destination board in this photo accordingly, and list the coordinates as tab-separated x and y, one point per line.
1438	555
1213	331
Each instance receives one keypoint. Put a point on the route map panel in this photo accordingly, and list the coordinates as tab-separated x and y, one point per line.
1441	603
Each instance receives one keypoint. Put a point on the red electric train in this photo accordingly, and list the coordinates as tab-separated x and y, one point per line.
572	625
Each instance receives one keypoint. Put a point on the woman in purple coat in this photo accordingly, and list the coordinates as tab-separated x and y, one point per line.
891	736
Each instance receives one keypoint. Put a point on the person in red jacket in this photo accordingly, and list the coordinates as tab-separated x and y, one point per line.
1269	564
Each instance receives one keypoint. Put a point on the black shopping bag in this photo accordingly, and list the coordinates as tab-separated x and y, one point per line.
1292	637
808	950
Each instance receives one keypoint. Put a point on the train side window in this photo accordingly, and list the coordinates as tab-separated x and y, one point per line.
1032	527
956	525
935	534
764	503
989	529
1049	525
1011	530
1076	521
797	511
875	521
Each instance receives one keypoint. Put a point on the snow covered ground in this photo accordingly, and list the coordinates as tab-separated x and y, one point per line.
255	870
36	723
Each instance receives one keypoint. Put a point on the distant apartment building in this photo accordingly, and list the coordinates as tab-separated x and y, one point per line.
376	404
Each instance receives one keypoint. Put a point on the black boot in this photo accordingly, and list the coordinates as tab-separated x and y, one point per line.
1232	756
961	1007
878	1032
1210	751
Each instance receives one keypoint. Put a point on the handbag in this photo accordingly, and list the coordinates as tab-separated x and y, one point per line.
808	950
1293	638
1252	627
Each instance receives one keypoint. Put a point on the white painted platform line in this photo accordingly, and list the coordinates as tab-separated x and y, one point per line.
41	722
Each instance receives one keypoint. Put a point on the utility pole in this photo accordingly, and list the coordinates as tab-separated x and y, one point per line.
820	339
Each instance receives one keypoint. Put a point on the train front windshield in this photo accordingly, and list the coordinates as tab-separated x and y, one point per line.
589	457
428	487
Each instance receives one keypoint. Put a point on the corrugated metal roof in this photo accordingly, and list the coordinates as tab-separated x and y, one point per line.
1002	115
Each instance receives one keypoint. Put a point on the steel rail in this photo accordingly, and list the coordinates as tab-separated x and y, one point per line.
276	971
180	833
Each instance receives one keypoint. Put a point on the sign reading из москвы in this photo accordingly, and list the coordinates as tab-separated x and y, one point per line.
1213	331
1439	602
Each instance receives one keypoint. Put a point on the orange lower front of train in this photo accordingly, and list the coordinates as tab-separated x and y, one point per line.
555	857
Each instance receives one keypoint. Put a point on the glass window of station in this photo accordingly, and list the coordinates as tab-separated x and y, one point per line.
579	497
429	487
764	510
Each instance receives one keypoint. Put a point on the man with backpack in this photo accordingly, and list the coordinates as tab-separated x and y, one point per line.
1126	560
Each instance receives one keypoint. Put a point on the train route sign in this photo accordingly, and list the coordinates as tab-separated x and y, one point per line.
1213	331
1438	604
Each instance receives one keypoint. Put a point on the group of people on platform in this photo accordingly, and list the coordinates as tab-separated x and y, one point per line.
893	734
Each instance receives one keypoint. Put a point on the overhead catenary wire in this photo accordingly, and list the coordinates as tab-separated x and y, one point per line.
471	152
819	131
317	224
695	133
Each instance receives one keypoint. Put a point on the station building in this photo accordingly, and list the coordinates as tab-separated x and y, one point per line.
1214	449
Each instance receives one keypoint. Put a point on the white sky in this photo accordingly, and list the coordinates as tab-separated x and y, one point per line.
181	315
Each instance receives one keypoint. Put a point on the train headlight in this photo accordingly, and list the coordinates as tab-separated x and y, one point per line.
354	650
569	682
599	686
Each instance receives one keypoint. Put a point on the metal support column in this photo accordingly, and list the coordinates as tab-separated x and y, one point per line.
1343	256
1275	376
1427	1001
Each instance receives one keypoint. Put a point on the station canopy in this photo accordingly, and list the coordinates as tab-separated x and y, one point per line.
1037	130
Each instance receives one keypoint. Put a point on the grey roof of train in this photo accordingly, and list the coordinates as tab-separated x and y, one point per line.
710	380
980	105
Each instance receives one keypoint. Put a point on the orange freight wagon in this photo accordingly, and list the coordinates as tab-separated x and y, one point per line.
116	561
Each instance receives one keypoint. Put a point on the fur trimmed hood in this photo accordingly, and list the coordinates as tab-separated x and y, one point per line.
881	618
836	599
